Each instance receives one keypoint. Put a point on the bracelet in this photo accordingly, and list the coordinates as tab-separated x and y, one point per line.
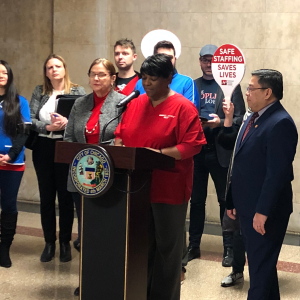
160	151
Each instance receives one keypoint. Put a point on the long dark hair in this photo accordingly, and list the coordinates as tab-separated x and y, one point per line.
11	104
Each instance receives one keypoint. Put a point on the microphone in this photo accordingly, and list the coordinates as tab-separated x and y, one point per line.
127	99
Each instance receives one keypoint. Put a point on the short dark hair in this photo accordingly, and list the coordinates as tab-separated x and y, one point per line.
164	44
126	43
158	65
272	79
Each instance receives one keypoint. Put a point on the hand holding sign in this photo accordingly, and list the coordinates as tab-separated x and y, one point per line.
228	68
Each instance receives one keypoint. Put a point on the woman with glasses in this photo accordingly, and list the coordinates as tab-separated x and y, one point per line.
91	112
14	114
52	177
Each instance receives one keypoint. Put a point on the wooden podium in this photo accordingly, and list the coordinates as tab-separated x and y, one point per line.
114	240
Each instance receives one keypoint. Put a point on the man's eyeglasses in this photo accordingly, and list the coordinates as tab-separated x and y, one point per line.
205	60
100	75
251	89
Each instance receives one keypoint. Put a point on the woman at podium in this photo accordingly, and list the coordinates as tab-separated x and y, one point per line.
167	123
52	177
91	112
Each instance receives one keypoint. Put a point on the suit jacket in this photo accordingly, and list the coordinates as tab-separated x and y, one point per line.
80	114
239	111
82	111
262	165
38	100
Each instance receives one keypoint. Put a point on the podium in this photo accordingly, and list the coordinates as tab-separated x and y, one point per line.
114	240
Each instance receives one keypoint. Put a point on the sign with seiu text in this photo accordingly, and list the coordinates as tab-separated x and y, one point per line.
228	68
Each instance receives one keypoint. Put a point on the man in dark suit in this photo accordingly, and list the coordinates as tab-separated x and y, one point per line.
213	158
260	189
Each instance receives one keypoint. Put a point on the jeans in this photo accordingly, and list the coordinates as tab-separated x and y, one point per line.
9	187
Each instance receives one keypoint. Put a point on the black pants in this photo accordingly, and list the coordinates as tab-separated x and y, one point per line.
165	250
205	163
262	254
52	179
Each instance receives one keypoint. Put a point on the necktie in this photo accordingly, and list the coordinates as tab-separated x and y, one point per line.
250	124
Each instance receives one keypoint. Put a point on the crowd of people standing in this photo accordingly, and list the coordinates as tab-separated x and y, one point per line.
202	134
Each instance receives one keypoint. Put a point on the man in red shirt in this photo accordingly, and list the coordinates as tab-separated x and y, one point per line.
125	55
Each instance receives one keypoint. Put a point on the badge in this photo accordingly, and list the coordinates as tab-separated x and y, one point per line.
92	171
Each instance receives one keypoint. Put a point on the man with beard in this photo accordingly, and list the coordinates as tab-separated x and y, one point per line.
213	158
125	55
180	84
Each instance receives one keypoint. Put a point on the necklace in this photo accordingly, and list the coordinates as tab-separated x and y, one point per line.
92	129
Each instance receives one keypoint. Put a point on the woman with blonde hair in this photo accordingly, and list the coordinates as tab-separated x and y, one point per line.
52	177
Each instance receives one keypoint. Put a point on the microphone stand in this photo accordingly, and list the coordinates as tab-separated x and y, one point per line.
105	126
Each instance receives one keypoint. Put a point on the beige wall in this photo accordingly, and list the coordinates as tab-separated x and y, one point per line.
268	32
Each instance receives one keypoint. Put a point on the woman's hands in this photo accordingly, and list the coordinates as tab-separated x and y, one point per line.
4	159
228	114
58	122
118	142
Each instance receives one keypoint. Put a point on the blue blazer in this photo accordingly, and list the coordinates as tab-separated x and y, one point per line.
262	165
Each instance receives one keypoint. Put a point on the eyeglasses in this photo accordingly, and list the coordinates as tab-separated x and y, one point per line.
205	60
251	89
100	75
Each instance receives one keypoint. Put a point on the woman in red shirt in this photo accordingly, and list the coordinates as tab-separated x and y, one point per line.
168	123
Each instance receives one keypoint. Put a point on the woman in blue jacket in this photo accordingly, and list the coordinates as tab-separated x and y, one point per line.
14	115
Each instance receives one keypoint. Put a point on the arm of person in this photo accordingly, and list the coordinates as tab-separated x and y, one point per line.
228	134
191	92
34	105
170	151
17	145
19	141
37	125
239	110
281	149
118	142
239	104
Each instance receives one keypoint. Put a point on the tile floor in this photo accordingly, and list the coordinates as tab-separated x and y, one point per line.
29	279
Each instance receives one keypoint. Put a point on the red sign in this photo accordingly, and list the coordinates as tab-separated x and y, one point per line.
228	68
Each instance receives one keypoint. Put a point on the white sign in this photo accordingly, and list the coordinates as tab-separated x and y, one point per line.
228	67
155	36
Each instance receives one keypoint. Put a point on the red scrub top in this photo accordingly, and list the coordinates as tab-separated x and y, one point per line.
174	122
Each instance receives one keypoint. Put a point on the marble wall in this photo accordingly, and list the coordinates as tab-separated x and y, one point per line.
267	31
